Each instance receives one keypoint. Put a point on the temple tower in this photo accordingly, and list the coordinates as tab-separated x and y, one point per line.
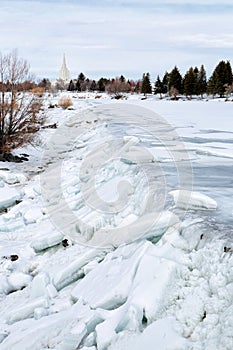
64	73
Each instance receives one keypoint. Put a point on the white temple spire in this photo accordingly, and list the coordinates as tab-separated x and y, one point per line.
64	73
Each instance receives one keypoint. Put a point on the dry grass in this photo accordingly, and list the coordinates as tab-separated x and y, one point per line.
65	102
38	91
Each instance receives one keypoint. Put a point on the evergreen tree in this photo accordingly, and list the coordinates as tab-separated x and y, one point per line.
229	76
175	80
78	86
122	79
165	82
71	86
212	82
190	82
221	77
196	74
93	85
159	88
146	84
202	81
102	83
81	77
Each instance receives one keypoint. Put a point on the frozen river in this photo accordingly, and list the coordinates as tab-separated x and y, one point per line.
206	131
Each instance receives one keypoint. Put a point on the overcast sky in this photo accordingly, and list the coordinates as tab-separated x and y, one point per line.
106	37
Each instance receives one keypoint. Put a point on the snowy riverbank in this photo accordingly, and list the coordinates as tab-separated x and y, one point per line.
116	234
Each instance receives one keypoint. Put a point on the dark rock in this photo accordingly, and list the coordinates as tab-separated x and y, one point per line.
50	126
14	257
227	249
119	97
204	315
65	243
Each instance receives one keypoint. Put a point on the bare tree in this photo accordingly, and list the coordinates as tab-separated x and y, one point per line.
228	90
19	109
117	86
60	85
173	92
46	84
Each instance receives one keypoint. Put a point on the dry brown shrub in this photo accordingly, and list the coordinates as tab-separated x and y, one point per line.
65	102
38	91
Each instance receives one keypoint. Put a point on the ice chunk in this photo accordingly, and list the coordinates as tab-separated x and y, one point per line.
8	196
107	286
25	311
90	340
39	284
175	239
12	178
51	291
131	139
192	234
50	240
4	285
3	335
131	319
149	226
160	335
154	279
160	222
73	271
40	312
94	221
12	225
136	154
90	266
105	333
74	338
32	215
128	220
18	280
192	200
190	222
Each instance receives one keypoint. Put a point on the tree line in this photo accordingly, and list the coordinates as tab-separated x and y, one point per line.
173	84
195	82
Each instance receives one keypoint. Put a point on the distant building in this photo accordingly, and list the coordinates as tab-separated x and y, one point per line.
64	77
64	73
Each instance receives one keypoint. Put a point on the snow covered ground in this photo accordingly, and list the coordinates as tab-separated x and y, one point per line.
117	233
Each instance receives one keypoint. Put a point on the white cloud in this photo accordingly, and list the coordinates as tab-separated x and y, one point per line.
173	2
207	41
113	38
